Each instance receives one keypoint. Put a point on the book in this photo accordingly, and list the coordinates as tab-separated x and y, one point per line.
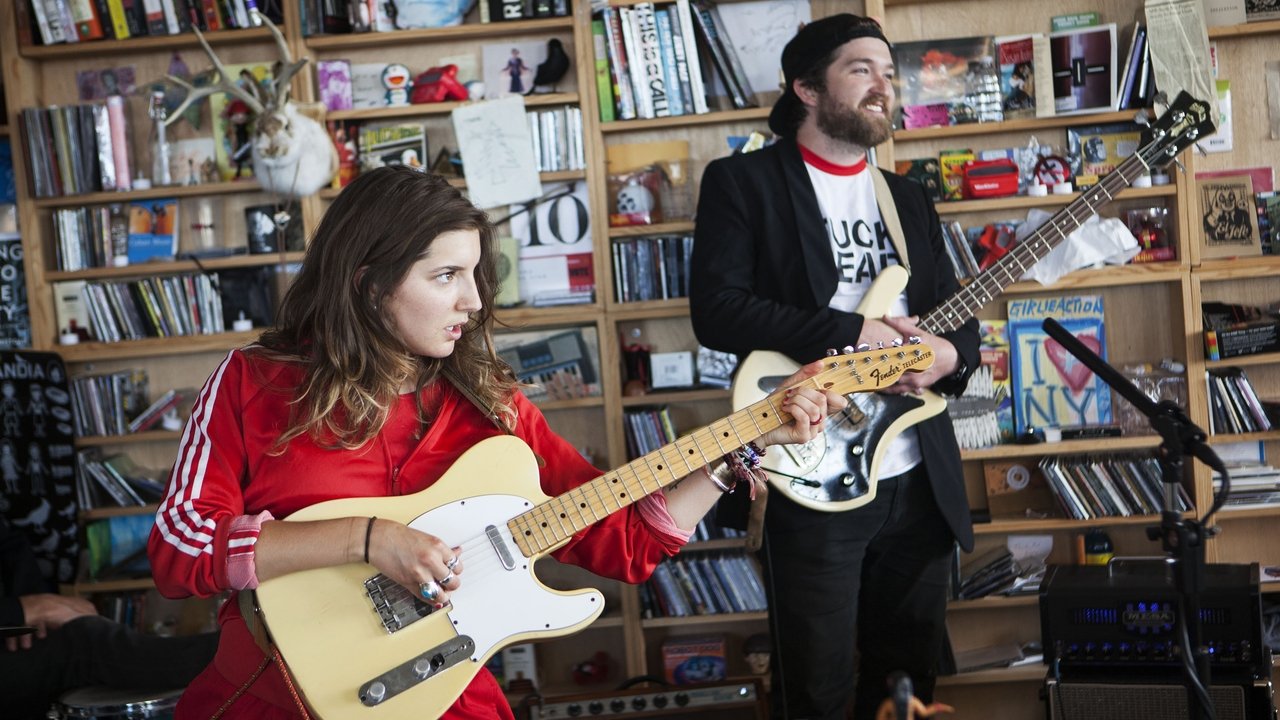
1051	388
945	72
555	247
367	90
924	171
1025	76
1084	69
398	144
333	78
153	230
1221	140
1093	151
1230	217
724	58
558	364
233	123
15	315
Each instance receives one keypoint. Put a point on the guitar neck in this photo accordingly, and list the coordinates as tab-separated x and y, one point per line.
966	303
553	522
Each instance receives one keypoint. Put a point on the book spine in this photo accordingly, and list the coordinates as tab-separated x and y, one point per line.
630	48
650	58
684	13
50	33
671	74
618	70
62	149
119	150
604	84
85	17
730	53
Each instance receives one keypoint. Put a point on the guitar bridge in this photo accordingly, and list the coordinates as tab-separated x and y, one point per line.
416	670
397	608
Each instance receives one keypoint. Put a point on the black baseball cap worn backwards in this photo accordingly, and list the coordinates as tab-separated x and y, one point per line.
809	48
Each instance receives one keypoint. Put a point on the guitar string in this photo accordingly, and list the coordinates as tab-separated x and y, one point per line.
480	559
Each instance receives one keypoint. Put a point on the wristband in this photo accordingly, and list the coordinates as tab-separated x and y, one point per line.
368	533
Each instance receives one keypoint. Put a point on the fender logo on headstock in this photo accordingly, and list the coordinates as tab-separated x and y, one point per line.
889	375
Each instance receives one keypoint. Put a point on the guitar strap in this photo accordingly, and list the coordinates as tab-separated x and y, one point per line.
484	409
889	213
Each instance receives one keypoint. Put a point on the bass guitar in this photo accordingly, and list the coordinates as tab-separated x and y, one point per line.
359	645
837	470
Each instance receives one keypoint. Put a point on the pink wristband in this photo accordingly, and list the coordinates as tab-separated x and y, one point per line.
242	573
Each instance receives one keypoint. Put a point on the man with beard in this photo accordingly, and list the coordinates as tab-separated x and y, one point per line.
788	240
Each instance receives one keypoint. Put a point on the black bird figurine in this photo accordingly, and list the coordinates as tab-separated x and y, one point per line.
550	71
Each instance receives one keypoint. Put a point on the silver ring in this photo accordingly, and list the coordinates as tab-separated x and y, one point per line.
430	590
452	561
445	580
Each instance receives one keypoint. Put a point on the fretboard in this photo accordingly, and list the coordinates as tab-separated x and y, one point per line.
966	303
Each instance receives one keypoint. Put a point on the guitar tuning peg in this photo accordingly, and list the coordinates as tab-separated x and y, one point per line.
863	347
897	342
832	352
1182	168
848	349
880	345
914	340
1143	118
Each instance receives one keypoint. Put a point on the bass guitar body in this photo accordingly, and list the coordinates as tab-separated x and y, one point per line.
837	471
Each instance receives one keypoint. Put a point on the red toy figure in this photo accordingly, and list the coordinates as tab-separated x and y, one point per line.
438	84
238	114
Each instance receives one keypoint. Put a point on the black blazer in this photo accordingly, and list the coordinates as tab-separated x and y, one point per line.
762	274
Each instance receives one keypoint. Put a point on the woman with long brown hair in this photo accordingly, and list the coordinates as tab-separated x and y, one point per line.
361	390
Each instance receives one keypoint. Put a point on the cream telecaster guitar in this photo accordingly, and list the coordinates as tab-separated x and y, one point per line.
361	646
838	470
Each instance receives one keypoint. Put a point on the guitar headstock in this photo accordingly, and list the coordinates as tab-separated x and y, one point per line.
874	369
1186	121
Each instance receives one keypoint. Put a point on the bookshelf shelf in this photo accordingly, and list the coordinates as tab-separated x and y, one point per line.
994	603
521	318
1253	29
679	396
110	512
1005	527
666	123
1023	202
1139	274
150	436
441	108
1066	447
1020	674
176	266
701	620
1233	269
650	309
4	130
1013	126
143	44
89	587
1270	358
353	41
155	347
712	545
168	191
572	404
546	177
1245	513
1222	438
682	227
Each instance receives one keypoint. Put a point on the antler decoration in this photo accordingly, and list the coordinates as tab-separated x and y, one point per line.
277	94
